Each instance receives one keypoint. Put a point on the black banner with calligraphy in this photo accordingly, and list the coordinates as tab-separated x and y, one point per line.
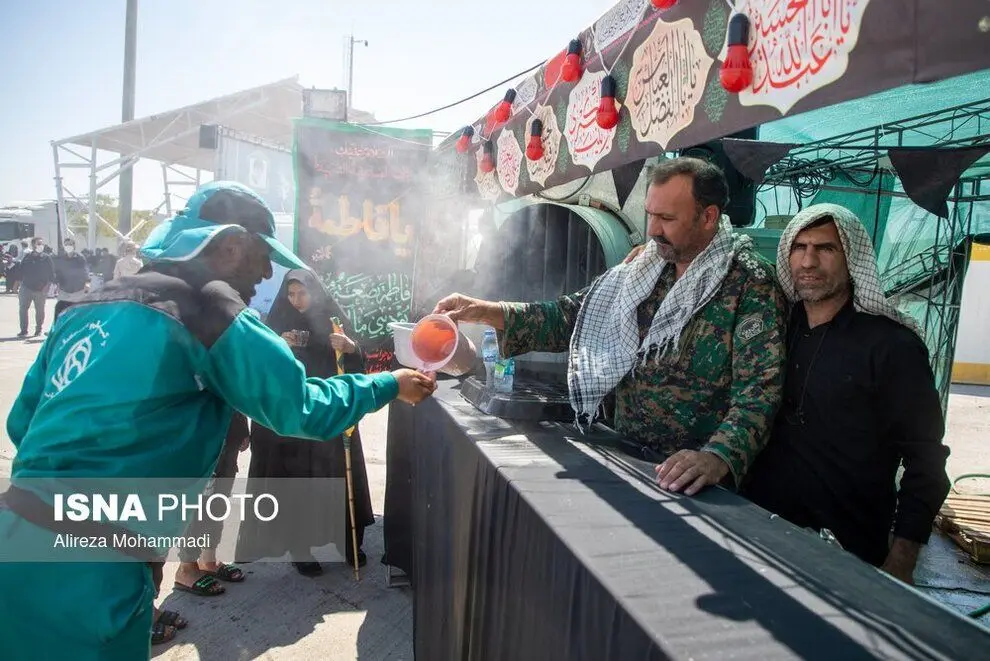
359	203
666	67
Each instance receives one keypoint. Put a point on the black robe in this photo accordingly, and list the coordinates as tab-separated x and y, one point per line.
275	456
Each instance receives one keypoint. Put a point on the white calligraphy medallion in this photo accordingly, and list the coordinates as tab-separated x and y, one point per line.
587	142
666	81
540	170
797	48
617	21
525	93
509	161
488	186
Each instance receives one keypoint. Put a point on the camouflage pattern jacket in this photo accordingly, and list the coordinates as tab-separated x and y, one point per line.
718	393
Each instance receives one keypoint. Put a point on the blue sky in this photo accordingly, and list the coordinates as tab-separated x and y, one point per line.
63	63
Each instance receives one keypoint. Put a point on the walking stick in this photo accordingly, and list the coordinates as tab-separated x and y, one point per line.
348	475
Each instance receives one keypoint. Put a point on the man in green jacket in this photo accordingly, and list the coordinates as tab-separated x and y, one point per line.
140	380
688	334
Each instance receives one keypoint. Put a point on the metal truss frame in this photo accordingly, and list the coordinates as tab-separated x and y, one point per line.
68	200
186	177
935	276
866	149
154	137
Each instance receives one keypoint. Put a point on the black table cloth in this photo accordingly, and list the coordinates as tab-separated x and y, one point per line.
529	541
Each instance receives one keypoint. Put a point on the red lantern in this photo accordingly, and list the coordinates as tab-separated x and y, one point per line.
487	163
551	71
608	114
736	73
464	142
571	71
534	148
504	109
664	4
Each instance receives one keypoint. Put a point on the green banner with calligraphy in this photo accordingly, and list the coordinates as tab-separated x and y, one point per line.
359	202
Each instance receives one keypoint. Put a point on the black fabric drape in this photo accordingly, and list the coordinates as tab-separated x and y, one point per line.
752	157
527	547
625	177
397	523
929	175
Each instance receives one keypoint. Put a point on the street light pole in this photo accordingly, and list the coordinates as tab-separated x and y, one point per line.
350	68
127	113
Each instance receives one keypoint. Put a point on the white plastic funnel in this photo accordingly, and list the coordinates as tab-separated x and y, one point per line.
434	344
402	337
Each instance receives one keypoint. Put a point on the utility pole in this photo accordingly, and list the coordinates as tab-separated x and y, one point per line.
127	113
350	68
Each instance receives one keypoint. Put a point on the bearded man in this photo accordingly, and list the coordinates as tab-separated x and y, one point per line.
688	332
859	400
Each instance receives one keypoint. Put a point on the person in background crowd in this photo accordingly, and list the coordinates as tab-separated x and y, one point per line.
859	400
71	272
141	379
199	571
11	259
15	273
106	264
91	259
52	289
37	273
129	263
688	333
302	315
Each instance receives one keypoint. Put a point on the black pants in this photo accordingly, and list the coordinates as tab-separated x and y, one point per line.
25	297
222	483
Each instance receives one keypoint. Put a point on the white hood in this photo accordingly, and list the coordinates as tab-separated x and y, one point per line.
860	257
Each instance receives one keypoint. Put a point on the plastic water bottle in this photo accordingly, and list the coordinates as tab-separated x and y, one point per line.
505	371
489	354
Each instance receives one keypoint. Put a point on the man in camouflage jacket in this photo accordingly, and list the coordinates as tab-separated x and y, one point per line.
707	405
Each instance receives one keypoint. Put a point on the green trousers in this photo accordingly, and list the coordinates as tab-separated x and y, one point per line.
84	611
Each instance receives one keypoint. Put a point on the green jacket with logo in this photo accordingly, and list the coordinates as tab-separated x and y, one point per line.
141	379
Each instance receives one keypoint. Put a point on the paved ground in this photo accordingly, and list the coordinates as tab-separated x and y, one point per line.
277	614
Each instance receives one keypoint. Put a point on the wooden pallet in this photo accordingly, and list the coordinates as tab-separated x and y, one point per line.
966	519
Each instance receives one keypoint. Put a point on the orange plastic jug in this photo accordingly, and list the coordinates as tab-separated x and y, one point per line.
434	339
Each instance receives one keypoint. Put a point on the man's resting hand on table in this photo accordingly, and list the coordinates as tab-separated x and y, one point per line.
691	471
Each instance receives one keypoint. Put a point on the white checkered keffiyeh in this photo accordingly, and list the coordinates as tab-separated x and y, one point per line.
605	344
860	257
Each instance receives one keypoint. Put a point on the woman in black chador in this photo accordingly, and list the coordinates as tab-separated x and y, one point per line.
302	314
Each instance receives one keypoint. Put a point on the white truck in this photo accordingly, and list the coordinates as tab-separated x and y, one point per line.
22	221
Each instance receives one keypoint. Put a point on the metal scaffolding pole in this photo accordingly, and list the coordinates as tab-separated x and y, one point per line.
63	216
91	223
350	68
127	113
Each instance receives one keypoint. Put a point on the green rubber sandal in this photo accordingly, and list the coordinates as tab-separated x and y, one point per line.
205	586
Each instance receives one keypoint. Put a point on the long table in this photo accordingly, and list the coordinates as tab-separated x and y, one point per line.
527	540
